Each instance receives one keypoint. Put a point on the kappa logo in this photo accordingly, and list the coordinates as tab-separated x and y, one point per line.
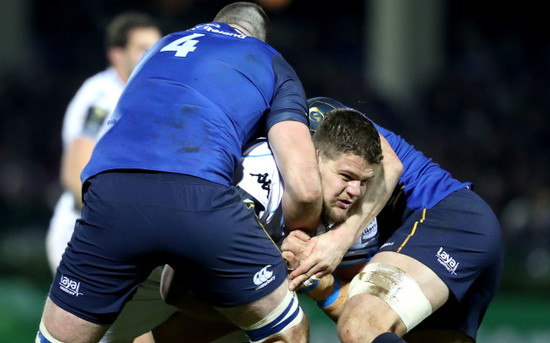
263	277
264	181
69	286
447	261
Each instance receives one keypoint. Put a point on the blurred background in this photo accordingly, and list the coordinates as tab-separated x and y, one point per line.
467	82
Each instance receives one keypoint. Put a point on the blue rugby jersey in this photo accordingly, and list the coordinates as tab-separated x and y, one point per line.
194	100
424	182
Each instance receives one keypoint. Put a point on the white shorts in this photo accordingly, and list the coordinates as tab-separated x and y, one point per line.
144	312
61	229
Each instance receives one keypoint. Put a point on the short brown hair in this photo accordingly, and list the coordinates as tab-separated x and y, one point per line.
348	131
122	24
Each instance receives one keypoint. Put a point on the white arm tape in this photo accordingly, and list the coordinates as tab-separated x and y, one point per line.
400	291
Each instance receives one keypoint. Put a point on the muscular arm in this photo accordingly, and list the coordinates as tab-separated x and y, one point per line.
325	252
294	153
75	156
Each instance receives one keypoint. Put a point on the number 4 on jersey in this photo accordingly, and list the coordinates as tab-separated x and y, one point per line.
184	45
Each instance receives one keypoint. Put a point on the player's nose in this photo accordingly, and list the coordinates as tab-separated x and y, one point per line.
354	188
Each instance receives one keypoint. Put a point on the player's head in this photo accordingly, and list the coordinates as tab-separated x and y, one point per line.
128	36
248	16
347	131
349	153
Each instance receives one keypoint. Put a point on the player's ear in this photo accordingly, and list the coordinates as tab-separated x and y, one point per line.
317	154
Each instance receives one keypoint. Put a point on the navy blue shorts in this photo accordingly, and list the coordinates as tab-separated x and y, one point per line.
134	221
460	240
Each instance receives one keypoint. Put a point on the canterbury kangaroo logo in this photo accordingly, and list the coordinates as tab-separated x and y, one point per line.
263	277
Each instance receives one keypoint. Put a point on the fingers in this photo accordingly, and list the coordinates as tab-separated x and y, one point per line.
296	238
306	271
303	281
292	262
296	243
308	258
310	281
300	235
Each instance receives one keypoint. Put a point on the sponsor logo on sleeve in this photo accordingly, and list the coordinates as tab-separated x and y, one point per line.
69	286
447	261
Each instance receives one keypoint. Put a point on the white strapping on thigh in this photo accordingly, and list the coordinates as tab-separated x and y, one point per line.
393	285
44	334
285	316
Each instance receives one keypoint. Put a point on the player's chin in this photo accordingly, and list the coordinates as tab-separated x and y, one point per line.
337	215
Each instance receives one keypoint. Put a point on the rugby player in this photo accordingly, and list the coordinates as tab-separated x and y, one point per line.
440	260
128	35
157	188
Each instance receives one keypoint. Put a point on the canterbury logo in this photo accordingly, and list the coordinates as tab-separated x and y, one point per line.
263	277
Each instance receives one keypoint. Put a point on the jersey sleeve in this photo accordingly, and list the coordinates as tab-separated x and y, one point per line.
289	99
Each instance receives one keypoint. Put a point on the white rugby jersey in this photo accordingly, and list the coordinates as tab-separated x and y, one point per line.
259	178
91	105
86	115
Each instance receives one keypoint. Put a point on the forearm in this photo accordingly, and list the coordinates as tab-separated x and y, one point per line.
299	214
75	157
295	156
330	295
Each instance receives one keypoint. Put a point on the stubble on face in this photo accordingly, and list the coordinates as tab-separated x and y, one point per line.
336	174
